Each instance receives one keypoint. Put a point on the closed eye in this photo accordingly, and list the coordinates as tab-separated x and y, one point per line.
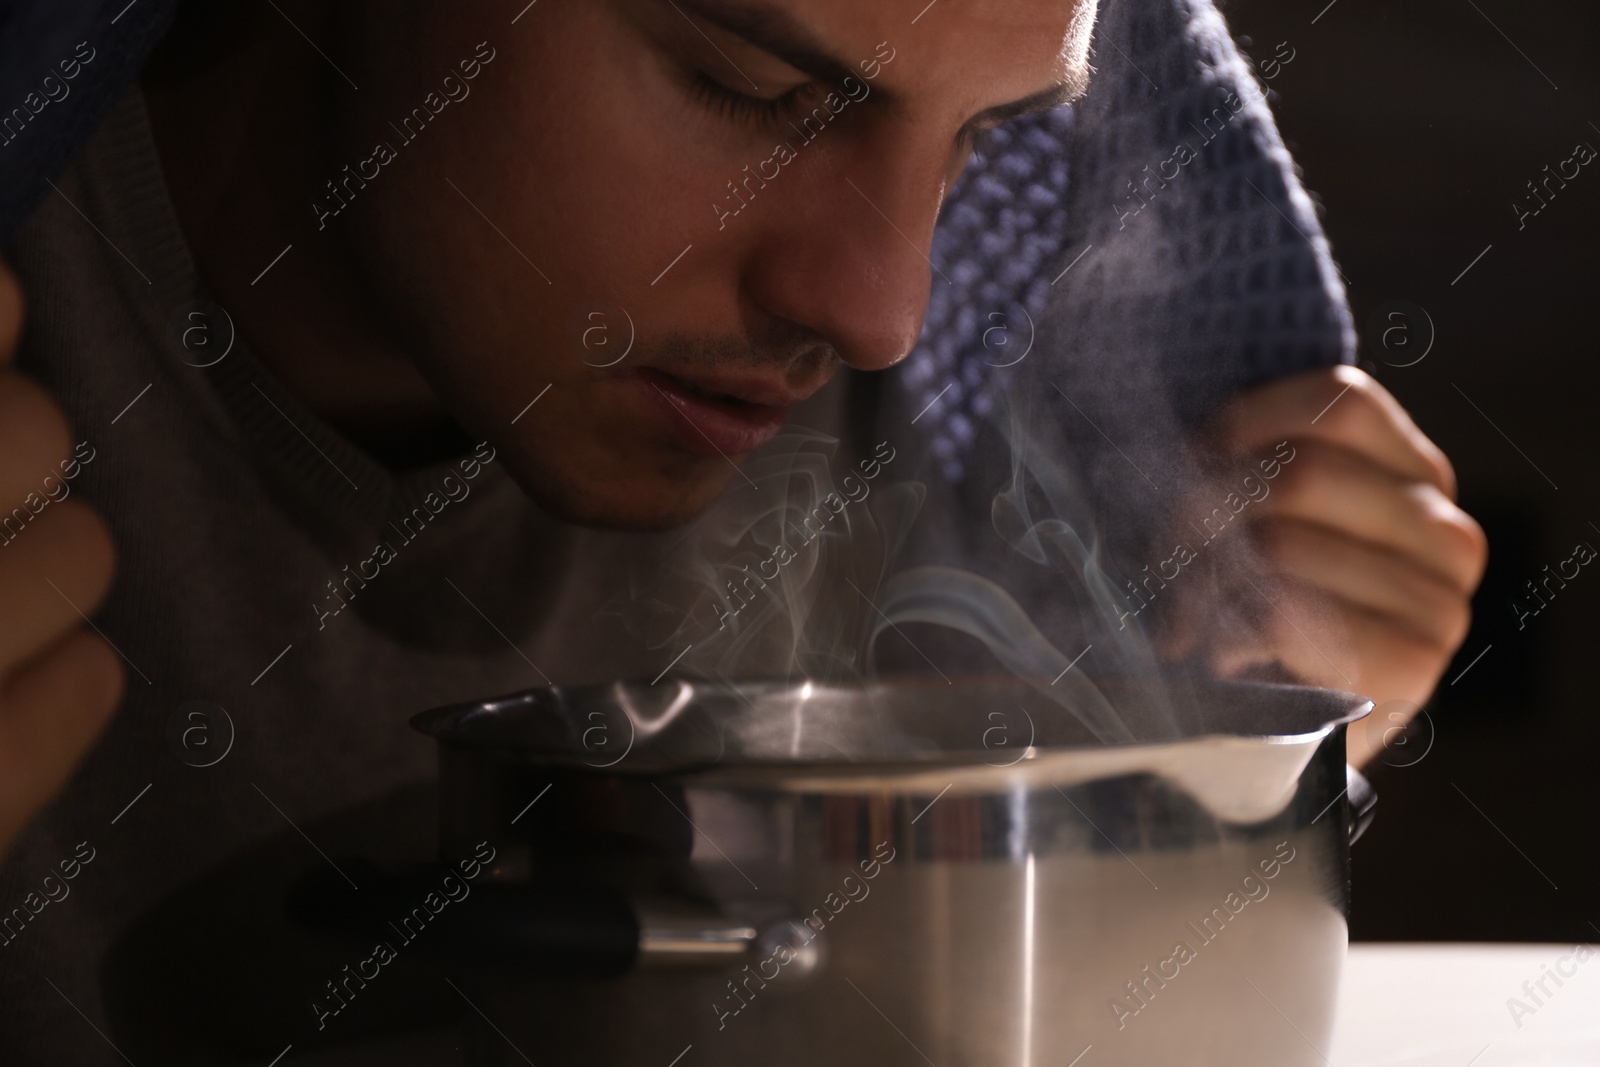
744	107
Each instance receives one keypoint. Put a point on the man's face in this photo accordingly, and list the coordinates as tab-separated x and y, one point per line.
674	174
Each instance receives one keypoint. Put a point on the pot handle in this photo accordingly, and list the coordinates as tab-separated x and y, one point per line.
517	929
1363	800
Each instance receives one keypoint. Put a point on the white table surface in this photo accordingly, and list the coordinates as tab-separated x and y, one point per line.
1445	1005
1400	1005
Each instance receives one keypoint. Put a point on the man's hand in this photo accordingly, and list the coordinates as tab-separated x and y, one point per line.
1369	565
59	682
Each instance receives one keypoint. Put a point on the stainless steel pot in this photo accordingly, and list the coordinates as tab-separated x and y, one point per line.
906	872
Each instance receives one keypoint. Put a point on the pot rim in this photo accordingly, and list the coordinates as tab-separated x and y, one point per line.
457	727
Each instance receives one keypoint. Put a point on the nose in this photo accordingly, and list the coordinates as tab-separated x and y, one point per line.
847	254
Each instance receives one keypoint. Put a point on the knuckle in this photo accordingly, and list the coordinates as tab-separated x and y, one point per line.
1475	540
1346	374
1356	384
1447	472
1442	615
1460	541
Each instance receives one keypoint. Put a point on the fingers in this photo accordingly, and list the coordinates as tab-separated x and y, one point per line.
1340	406
53	707
59	566
10	313
1291	627
1333	487
34	438
1366	566
1324	640
59	683
1414	601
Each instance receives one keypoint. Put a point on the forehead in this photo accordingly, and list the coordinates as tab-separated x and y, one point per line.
989	49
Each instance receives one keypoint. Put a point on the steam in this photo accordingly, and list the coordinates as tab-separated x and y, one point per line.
761	585
976	606
1045	516
798	575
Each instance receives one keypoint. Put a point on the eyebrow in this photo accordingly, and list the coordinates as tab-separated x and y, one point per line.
775	31
772	30
1046	99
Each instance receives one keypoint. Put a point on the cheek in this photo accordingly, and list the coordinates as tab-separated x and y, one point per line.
588	174
605	172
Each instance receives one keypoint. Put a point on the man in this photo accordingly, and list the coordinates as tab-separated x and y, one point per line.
412	219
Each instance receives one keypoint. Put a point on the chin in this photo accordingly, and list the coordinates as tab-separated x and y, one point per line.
641	501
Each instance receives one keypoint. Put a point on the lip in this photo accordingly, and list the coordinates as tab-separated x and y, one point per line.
745	417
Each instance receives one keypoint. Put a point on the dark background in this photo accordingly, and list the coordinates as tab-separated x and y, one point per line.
1418	125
